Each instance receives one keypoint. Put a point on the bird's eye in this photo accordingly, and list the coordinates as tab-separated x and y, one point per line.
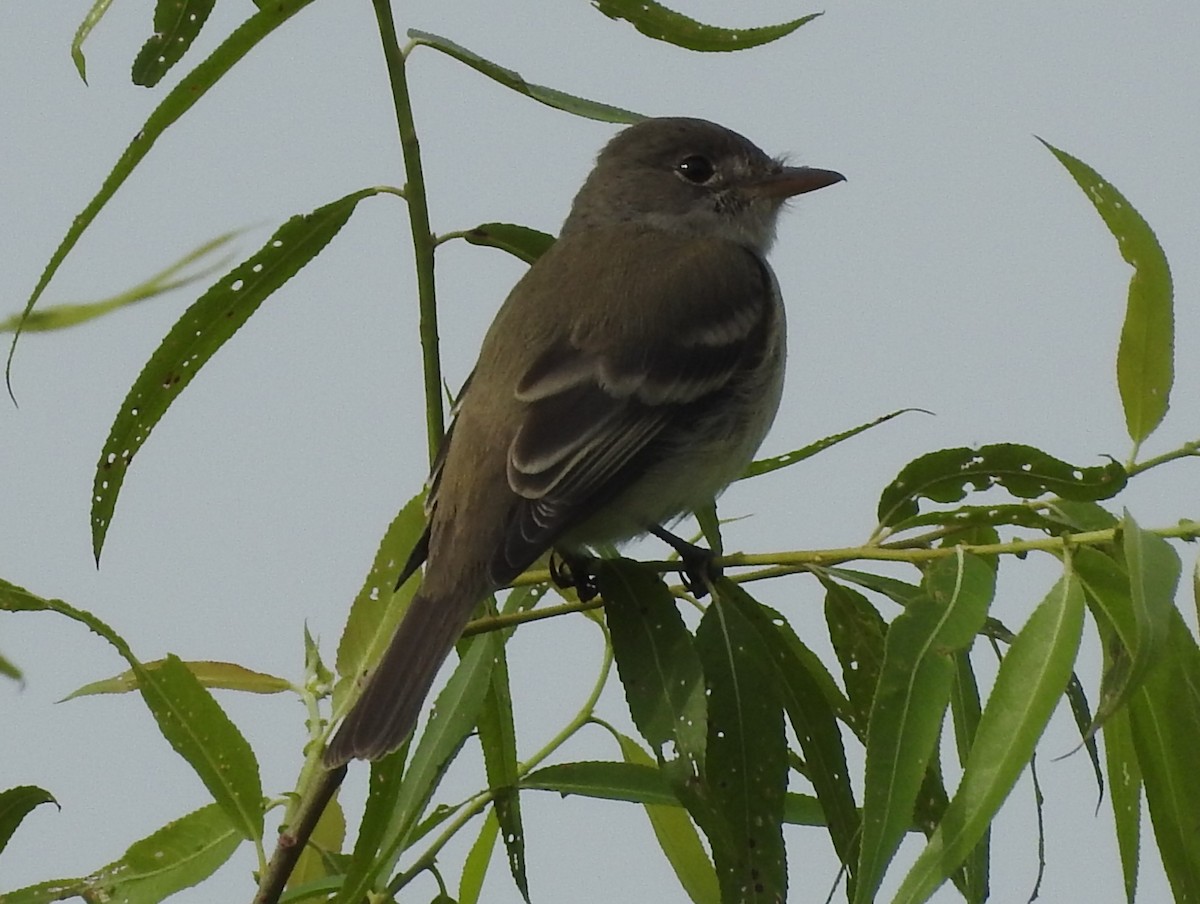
695	169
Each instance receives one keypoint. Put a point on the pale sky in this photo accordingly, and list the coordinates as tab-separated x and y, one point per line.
959	269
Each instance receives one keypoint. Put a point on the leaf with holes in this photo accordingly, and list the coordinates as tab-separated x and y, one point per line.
1145	365
656	21
176	25
949	474
207	325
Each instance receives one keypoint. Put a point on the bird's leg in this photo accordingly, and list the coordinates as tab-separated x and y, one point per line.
574	569
699	564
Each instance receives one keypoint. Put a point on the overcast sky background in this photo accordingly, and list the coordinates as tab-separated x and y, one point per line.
959	269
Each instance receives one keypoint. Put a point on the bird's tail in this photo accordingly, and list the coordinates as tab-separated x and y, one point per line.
387	712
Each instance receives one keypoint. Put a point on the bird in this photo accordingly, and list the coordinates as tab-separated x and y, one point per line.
628	378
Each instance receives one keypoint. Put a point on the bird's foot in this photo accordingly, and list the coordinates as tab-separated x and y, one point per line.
700	566
573	569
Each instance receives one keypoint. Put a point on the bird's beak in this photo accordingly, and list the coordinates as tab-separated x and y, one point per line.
795	180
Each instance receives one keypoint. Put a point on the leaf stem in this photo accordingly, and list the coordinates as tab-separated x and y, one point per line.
418	216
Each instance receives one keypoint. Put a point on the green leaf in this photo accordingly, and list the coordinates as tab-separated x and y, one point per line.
677	837
746	754
857	632
181	854
17	803
657	22
478	859
766	465
551	97
498	739
914	689
1139	604
178	101
641	785
224	675
661	673
1029	685
176	24
199	731
1154	570
1165	712
1024	471
8	670
799	678
198	334
455	712
1145	365
187	715
316	860
61	316
1125	794
633	782
379	605
94	14
965	711
382	793
519	241
971	516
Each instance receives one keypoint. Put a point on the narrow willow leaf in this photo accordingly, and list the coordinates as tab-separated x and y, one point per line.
94	14
965	711
479	858
634	782
519	241
379	605
551	97
1081	712
1165	714
17	803
947	475
642	785
196	726
455	712
1145	358
176	25
798	677
656	21
223	675
746	755
1080	516
383	791
8	670
328	835
766	465
971	516
1028	687
61	316
498	739
198	334
1138	603
660	671
914	689
187	715
181	854
1154	570
677	837
1125	795
178	101
897	591
857	632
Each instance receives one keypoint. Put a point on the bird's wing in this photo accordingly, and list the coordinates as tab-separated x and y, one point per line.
600	410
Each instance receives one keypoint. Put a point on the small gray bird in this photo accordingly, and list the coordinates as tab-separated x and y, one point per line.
628	378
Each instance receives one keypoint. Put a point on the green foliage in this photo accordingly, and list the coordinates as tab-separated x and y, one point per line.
714	704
